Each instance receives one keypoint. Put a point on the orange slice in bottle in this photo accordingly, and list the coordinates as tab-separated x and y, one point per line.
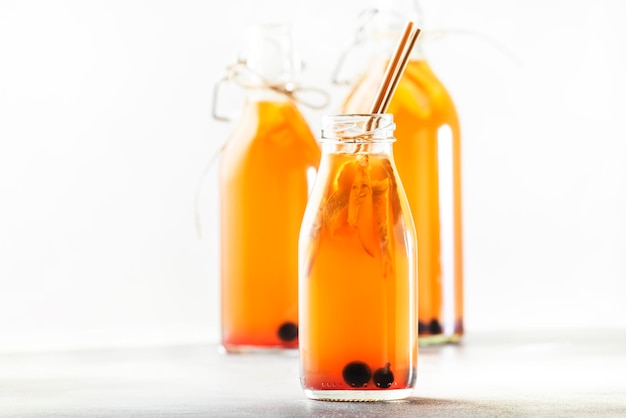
360	210
336	210
380	202
335	214
360	190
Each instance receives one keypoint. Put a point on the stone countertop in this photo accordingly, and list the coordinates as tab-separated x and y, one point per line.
560	373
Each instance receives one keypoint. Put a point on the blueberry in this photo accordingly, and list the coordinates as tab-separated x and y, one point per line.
434	327
288	331
421	327
356	374
383	377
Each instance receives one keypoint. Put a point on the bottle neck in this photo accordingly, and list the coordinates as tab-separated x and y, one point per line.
266	94
356	149
270	56
389	18
358	134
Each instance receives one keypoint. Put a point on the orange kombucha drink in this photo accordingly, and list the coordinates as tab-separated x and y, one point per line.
267	170
357	269
427	155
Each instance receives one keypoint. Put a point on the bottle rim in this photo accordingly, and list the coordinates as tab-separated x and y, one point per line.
358	128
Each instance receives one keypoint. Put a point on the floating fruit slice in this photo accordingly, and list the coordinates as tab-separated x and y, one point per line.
365	226
345	175
360	190
380	202
336	210
360	210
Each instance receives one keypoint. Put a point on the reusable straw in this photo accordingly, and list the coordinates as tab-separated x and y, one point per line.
395	69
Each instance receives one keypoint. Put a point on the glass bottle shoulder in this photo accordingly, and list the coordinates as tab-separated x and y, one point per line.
271	127
419	90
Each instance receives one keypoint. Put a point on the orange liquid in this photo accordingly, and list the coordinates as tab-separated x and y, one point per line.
358	268
265	176
427	155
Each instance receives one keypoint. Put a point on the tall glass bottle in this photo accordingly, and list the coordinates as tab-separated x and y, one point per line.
266	171
428	157
357	269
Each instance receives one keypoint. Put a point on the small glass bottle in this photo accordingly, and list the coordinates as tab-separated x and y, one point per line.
428	157
266	172
357	269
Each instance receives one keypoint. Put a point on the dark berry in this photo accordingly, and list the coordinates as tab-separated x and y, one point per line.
383	377
356	374
421	327
288	331
434	327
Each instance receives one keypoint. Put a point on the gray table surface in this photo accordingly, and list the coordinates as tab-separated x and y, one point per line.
560	373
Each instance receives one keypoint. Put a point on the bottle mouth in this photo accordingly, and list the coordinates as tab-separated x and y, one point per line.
358	127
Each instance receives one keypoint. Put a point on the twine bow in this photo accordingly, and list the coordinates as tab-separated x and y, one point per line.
242	75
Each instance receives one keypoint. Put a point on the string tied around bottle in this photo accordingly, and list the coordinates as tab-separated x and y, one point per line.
245	77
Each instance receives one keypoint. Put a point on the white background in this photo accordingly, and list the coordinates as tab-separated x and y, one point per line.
106	128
